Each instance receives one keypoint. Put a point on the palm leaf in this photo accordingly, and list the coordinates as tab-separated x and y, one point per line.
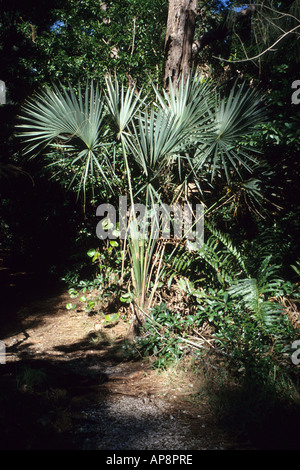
190	102
156	137
71	123
234	117
122	103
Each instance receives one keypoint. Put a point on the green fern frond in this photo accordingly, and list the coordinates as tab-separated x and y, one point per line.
296	267
228	244
255	293
218	252
178	264
218	259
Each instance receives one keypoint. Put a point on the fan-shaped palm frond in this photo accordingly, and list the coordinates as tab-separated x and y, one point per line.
156	137
190	103
122	103
234	117
72	124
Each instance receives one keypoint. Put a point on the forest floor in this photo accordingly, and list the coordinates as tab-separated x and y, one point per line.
66	384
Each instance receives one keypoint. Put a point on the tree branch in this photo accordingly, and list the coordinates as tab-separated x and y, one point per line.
263	52
223	30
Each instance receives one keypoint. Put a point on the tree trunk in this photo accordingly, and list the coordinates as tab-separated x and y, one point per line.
179	40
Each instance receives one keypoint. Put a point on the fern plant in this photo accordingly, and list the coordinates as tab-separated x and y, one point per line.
255	293
219	252
223	256
296	267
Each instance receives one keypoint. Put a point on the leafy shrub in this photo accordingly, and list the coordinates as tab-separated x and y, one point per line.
160	337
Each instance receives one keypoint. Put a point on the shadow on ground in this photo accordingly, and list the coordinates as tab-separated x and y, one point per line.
38	404
257	412
42	398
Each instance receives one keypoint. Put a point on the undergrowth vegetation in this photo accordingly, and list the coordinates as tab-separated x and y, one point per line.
238	293
232	315
76	136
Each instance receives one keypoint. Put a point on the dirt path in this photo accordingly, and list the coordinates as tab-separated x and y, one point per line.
67	385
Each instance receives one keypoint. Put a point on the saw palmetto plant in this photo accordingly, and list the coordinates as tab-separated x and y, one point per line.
189	129
72	128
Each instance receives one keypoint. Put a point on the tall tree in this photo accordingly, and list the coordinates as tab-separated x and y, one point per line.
179	39
255	29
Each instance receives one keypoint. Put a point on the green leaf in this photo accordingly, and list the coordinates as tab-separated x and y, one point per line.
127	297
70	306
73	124
73	293
111	318
92	253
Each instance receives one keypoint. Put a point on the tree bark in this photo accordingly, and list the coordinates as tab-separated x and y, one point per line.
179	40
